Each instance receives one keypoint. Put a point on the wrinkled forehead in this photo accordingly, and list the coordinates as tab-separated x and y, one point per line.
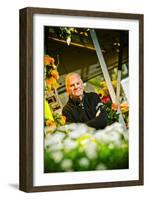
74	79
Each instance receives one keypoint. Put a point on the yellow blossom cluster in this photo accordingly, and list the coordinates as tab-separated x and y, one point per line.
52	74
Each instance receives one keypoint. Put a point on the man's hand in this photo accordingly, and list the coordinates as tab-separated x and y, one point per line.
99	108
98	113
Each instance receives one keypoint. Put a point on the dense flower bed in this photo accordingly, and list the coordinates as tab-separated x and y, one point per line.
77	147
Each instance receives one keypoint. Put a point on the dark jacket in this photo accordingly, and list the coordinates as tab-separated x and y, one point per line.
85	111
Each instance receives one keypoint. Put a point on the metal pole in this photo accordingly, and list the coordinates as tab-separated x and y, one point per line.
105	72
103	65
120	55
118	86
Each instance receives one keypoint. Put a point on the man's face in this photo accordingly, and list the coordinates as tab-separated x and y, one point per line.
75	86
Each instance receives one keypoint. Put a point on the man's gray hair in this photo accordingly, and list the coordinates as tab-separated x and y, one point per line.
69	75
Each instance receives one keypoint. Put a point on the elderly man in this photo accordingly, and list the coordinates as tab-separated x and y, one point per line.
83	107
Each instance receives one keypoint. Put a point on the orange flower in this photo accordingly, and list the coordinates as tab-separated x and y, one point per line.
52	82
48	60
114	106
50	123
55	74
123	107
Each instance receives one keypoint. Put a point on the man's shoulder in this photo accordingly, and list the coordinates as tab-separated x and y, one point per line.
67	106
91	94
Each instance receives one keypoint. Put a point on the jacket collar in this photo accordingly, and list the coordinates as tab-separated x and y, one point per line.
76	102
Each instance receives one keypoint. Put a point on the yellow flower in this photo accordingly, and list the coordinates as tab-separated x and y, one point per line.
124	107
55	74
103	92
114	83
83	139
63	120
51	123
103	84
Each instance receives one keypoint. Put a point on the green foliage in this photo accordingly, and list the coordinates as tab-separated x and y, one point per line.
113	115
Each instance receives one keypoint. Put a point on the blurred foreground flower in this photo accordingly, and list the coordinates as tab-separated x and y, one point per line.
77	147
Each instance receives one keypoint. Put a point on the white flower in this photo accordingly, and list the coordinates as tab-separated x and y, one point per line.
54	138
108	137
75	134
78	131
57	156
115	129
117	125
91	150
56	147
102	136
126	135
84	162
98	134
66	164
114	137
108	128
63	129
101	166
71	126
69	144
